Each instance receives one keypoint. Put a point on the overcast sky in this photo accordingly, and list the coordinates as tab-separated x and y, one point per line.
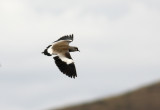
119	42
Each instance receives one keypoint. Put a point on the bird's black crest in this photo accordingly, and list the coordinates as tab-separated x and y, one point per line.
66	37
68	69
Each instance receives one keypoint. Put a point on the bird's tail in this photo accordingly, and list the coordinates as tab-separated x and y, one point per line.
45	52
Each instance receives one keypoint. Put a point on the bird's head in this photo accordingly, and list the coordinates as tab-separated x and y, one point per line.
73	49
76	49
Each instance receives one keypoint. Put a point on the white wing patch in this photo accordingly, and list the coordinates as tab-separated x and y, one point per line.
65	59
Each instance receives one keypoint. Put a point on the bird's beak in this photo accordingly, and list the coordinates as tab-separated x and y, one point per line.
78	50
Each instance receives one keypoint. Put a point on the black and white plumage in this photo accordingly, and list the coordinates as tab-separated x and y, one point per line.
63	59
67	38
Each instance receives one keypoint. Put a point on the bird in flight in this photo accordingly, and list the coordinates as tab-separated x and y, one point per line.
63	59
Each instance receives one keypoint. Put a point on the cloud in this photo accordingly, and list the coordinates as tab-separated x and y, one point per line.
118	41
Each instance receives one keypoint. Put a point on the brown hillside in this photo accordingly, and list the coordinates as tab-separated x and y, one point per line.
147	98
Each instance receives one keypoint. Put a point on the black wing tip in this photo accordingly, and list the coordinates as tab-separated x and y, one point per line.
66	37
70	35
68	70
72	68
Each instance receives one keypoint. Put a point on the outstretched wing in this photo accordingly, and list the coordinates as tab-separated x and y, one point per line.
66	37
66	65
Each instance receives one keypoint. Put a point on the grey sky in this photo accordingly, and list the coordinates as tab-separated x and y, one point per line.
118	40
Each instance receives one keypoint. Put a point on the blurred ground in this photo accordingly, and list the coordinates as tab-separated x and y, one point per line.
146	98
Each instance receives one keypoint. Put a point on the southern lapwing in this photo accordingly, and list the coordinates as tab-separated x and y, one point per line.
63	59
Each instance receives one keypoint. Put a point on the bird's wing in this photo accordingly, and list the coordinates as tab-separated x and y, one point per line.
65	64
68	38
